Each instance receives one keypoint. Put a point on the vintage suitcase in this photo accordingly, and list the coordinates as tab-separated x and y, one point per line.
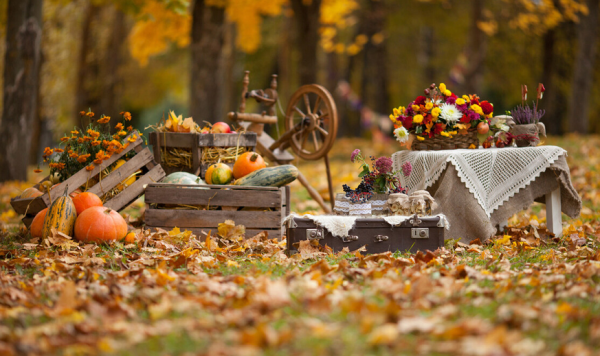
417	233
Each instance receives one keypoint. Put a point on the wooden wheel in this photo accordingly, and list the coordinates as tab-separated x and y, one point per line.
312	113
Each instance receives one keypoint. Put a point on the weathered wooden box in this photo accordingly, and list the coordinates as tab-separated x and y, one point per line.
416	233
169	146
202	207
143	159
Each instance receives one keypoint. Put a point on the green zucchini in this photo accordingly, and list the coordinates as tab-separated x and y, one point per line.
270	177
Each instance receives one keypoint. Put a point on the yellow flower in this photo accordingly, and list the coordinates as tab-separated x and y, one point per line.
444	133
420	138
490	115
392	117
417	119
466	97
460	101
442	87
429	105
415	107
436	112
477	109
447	93
123	133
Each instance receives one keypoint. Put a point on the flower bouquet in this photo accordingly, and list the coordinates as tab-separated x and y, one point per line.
378	181
442	120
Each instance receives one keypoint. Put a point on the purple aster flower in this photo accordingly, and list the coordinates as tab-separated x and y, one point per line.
406	168
462	107
355	153
383	165
450	100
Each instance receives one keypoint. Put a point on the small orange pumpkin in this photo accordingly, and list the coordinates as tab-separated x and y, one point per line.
247	163
130	238
30	193
100	224
85	200
208	174
37	225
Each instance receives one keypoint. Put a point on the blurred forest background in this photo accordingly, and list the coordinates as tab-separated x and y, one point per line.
150	56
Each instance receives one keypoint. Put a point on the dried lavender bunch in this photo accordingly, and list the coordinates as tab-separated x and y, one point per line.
524	115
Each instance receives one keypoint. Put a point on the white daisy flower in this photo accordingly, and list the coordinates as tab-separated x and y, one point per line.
401	134
450	113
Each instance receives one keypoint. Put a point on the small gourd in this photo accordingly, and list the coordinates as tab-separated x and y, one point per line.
220	174
61	216
247	163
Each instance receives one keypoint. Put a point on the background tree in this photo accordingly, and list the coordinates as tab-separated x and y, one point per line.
21	76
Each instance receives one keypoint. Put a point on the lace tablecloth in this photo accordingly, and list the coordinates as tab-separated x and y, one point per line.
482	188
492	175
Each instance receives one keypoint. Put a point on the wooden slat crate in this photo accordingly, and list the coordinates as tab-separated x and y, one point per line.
164	141
143	159
257	208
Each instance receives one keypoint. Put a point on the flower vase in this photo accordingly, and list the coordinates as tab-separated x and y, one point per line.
529	129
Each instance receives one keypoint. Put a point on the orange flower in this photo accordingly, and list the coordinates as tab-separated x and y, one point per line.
92	133
116	136
64	139
123	133
87	138
82	113
37	170
119	126
74	155
127	116
100	154
133	138
90	167
129	128
75	132
90	114
70	151
58	166
104	120
59	150
96	143
48	151
83	158
121	113
80	140
97	161
105	143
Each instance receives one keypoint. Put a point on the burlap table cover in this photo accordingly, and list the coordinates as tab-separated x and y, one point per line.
467	217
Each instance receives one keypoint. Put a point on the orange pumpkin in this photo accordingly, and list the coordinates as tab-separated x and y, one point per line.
76	192
100	224
208	174
247	163
37	225
85	200
30	193
130	238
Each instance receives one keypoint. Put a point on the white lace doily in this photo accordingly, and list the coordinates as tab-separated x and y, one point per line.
492	175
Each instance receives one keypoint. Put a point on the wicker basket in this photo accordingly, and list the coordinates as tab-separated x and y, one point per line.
446	143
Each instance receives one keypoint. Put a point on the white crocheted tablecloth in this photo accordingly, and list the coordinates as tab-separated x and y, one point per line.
493	175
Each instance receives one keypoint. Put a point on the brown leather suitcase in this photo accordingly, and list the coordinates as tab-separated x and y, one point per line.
415	234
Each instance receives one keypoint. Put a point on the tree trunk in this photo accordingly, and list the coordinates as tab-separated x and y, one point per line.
206	48
110	100
475	51
583	71
306	15
21	76
552	118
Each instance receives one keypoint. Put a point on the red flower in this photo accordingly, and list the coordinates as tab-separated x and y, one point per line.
465	119
486	107
407	122
420	100
438	128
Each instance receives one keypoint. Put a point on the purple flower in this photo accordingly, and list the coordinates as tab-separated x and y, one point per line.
462	107
355	153
383	165
473	116
409	109
406	168
451	100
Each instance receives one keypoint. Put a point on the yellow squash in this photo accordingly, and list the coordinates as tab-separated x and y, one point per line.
61	216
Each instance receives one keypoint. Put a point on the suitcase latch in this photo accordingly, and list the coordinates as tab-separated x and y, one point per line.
419	233
349	238
381	238
314	234
415	221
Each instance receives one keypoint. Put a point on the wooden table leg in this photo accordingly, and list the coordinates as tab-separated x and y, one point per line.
553	212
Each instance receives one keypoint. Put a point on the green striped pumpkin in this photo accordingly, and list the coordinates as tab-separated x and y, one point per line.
61	216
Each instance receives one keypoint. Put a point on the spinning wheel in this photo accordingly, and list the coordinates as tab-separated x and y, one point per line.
312	109
311	124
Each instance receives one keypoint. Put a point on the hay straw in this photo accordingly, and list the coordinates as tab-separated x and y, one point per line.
177	157
225	154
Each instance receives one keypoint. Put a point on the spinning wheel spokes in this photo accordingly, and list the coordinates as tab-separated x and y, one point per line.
316	125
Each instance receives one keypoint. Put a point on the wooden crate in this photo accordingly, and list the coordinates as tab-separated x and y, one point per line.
197	143
257	208
143	159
